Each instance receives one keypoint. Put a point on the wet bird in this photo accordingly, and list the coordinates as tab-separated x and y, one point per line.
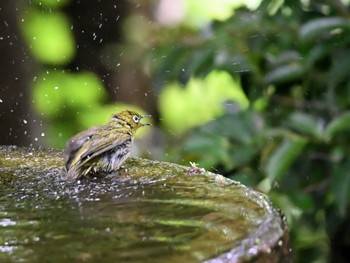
102	149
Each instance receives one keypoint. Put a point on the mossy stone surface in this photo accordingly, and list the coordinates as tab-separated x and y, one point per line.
149	211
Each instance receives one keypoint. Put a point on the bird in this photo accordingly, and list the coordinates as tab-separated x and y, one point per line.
102	149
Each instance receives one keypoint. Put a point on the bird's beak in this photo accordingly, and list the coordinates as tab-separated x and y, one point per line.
146	116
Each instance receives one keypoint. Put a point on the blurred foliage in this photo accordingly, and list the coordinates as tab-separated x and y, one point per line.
201	12
56	91
69	102
72	102
292	59
51	3
48	35
187	112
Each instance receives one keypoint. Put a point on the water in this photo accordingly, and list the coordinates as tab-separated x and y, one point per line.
133	217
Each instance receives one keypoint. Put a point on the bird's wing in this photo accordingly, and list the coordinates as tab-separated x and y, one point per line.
96	147
76	142
93	148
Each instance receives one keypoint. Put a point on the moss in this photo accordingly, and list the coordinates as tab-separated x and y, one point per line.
178	212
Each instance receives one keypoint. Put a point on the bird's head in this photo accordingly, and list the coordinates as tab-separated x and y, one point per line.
131	118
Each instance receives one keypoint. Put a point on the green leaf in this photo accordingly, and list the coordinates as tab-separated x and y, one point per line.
283	158
316	53
284	73
340	70
51	3
285	58
49	93
319	26
208	149
200	101
49	36
341	186
54	92
238	127
303	123
200	62
340	124
274	6
170	60
84	89
302	200
241	156
289	208
199	13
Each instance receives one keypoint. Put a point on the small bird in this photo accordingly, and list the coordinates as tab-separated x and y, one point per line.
102	149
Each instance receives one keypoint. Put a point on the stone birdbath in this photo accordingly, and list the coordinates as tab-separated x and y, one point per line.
149	211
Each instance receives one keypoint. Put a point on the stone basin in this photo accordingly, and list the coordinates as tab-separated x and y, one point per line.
149	211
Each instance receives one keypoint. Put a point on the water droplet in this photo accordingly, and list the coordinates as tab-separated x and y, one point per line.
7	222
42	134
25	121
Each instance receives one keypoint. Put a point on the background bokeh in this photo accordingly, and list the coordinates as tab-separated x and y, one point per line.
258	91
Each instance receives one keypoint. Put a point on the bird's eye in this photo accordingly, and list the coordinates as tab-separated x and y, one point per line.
136	119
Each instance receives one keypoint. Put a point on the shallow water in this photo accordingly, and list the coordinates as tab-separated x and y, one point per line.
125	218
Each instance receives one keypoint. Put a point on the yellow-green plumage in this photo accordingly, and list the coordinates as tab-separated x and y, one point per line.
102	148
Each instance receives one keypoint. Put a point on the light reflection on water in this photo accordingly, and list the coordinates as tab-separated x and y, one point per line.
121	220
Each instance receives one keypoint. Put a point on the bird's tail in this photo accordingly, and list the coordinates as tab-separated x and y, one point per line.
73	174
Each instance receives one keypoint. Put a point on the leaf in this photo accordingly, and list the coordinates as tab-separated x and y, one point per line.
200	101
286	57
236	127
341	186
302	200
340	124
241	155
284	73
49	36
290	210
318	52
51	3
316	27
54	92
170	60
208	149
340	70
200	62
199	13
303	123
83	89
283	158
